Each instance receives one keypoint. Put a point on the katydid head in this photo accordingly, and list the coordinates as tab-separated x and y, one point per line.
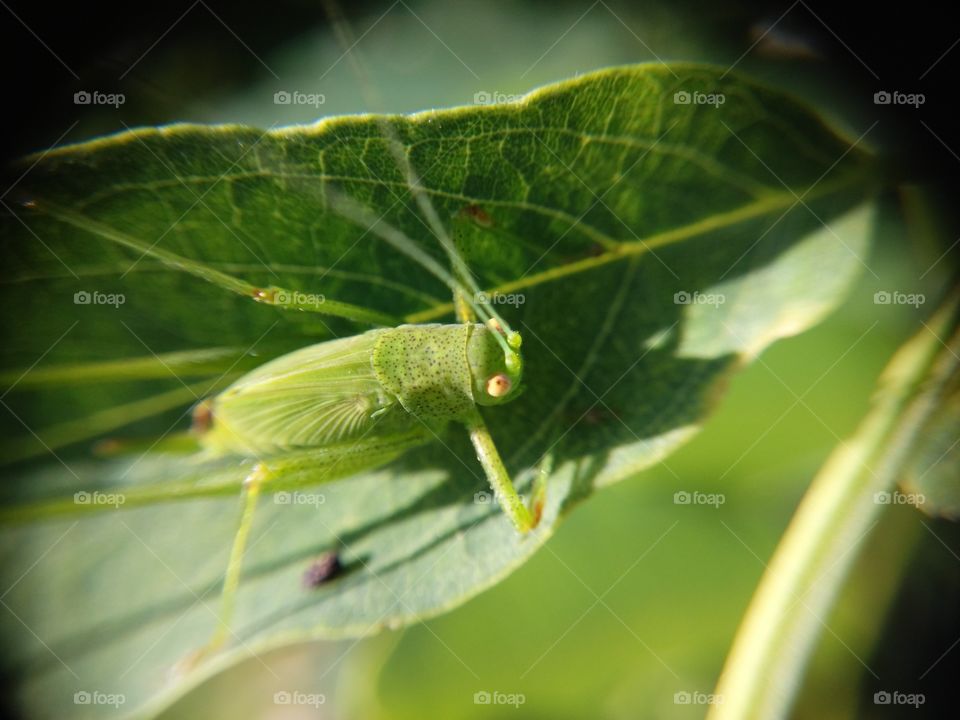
495	373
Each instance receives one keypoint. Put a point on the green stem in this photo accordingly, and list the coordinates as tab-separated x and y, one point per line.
282	298
103	421
778	633
189	363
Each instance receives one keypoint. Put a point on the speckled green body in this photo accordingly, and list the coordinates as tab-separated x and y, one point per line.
368	390
438	372
425	368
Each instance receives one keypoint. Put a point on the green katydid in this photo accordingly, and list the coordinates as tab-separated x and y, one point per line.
348	405
351	404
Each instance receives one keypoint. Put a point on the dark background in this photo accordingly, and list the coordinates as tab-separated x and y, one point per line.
99	41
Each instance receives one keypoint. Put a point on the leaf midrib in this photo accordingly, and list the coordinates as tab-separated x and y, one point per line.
618	249
641	246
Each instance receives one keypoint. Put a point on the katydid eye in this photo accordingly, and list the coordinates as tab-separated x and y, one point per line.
498	385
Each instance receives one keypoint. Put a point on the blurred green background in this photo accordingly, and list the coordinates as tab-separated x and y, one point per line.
635	599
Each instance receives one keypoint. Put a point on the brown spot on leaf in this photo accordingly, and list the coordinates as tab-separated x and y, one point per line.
322	570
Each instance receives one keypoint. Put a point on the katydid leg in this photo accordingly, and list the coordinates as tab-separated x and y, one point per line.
287	472
524	517
251	494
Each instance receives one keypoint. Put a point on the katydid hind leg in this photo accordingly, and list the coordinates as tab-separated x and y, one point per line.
288	472
252	486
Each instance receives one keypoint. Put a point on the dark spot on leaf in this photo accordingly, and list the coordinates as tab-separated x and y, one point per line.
322	570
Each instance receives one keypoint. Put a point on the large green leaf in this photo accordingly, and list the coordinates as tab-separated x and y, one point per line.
612	201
